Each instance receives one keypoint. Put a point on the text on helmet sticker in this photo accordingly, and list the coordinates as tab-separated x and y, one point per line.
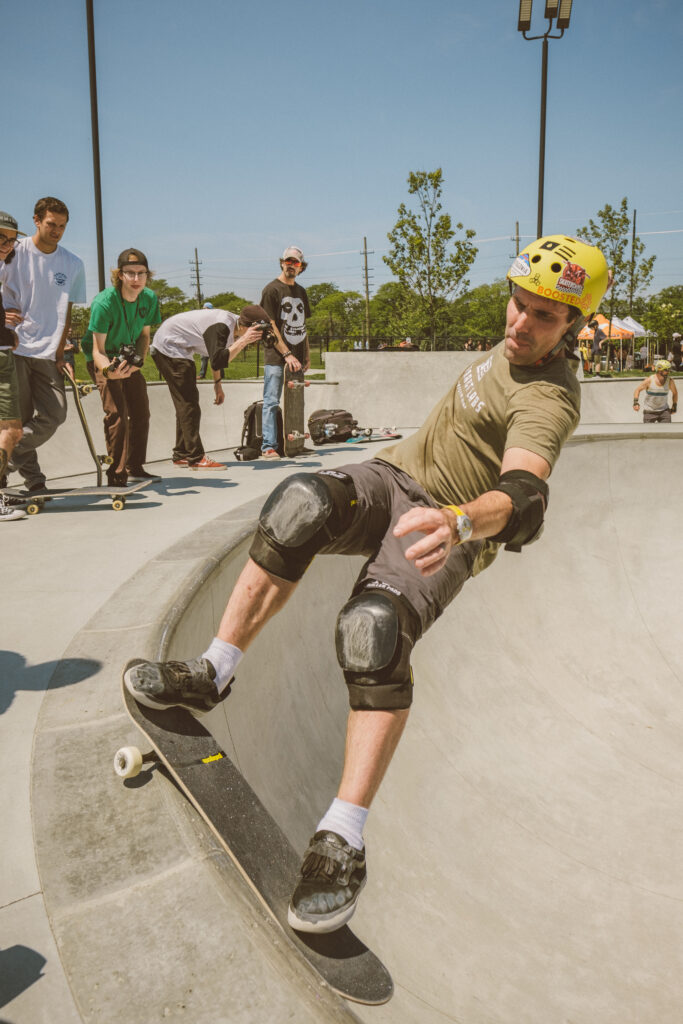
572	279
521	268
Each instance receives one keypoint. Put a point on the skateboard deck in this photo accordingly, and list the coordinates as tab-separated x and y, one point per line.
293	413
117	495
251	838
368	436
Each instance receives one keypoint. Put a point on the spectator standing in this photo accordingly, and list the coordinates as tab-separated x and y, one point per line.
42	284
286	304
217	336
120	319
10	409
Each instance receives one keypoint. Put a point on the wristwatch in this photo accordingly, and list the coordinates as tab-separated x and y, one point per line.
464	522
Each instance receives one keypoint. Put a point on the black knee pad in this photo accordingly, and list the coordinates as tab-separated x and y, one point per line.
375	634
302	514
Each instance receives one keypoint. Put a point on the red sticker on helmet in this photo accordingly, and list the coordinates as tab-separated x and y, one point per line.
572	279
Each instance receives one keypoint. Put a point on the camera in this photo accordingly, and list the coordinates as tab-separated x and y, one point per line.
126	356
267	332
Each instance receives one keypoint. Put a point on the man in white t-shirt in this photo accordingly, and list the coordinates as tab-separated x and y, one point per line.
212	333
41	284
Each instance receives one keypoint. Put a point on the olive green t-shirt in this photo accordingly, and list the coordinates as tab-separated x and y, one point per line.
122	321
457	453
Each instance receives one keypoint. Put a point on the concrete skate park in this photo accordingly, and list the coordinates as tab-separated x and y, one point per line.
525	851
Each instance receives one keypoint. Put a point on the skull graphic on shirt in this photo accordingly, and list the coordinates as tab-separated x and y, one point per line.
293	320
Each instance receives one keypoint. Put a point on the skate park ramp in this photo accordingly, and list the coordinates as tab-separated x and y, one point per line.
525	850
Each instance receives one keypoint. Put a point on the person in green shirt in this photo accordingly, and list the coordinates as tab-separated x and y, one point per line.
120	321
428	513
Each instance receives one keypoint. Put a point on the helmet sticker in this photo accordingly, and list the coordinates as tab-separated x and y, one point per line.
521	267
572	279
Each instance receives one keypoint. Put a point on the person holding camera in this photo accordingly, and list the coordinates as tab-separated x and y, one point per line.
120	321
217	336
286	304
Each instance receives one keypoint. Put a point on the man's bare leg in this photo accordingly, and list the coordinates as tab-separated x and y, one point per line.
371	740
256	597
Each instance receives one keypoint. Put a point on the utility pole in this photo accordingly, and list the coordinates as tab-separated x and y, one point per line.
94	122
195	281
633	265
516	238
367	292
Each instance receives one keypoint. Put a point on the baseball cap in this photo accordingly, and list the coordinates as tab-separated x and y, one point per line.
293	252
8	222
133	256
253	315
208	305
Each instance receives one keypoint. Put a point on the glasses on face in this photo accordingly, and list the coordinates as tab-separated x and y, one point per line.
133	274
5	240
293	263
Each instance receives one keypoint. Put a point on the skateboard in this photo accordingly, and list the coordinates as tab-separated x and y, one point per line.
367	435
293	413
117	495
251	838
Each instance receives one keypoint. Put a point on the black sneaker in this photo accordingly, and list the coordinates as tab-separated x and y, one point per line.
174	684
117	480
14	500
136	475
332	876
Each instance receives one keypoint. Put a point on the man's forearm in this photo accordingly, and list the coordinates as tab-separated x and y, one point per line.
489	513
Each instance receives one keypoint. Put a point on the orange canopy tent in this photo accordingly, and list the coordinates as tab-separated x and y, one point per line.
611	331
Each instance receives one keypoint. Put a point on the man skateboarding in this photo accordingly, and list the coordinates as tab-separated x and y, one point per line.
656	401
427	513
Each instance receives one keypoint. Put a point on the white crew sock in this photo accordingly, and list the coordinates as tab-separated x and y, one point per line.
346	819
225	658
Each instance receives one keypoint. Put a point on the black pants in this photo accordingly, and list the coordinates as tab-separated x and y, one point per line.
180	375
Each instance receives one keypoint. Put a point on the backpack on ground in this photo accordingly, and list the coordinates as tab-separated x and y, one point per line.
252	433
331	426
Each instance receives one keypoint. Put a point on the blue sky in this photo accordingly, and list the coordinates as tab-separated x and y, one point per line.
239	129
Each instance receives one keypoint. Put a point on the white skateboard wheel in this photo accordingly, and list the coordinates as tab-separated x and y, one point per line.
127	762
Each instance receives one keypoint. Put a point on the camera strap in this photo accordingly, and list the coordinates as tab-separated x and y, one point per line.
129	329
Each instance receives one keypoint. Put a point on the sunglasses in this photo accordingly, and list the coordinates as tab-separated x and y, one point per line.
293	263
5	240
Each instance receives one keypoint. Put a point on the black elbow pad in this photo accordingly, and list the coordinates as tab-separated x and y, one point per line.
529	495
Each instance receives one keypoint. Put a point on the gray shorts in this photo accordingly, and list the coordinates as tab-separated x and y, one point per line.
10	408
663	416
384	493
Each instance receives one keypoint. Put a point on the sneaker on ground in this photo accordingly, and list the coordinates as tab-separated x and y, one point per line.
174	684
141	474
269	453
332	876
206	463
9	512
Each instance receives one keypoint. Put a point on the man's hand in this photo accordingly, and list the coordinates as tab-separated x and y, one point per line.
13	318
122	372
440	534
252	334
292	362
219	396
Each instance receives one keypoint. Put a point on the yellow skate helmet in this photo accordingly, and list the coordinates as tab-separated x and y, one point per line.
564	269
663	366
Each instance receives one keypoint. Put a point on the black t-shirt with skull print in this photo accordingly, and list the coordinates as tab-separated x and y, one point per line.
287	305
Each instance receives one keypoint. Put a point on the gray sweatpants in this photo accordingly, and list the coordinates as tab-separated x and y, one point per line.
42	400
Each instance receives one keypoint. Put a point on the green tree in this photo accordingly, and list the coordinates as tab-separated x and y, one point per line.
480	313
337	318
425	255
664	315
228	300
395	313
317	292
172	300
612	234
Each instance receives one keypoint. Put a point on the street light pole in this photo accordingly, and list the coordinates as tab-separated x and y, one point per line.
554	9
94	120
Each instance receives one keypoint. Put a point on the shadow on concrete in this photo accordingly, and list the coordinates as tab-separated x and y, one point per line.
16	675
20	967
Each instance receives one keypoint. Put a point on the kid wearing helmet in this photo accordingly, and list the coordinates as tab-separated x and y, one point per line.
657	388
427	513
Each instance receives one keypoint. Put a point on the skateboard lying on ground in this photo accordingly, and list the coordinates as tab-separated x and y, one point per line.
293	413
367	435
117	495
251	838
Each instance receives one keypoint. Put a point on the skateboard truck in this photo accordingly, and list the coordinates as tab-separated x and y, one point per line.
298	383
296	435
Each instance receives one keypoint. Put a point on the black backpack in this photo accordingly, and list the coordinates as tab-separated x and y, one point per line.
252	433
331	426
